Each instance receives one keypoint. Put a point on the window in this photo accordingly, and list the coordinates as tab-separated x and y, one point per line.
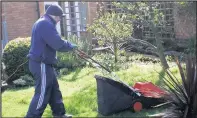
75	20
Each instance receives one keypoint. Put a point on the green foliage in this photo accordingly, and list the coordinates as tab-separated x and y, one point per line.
25	80
106	60
82	42
63	71
143	58
14	54
82	93
124	61
146	12
169	58
181	3
111	26
69	59
110	29
182	94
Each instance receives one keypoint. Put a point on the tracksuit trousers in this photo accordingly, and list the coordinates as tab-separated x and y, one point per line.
46	91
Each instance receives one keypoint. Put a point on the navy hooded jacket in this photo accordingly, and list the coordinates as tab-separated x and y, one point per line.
45	41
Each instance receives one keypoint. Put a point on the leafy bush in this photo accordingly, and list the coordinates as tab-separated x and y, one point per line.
66	60
64	71
14	55
69	59
144	58
25	80
111	29
106	59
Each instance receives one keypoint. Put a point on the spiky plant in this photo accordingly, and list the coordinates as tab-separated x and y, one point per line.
183	93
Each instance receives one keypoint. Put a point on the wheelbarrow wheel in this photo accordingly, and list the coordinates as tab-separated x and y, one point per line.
136	105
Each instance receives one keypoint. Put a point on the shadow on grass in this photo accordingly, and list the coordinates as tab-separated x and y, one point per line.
145	113
47	112
76	75
15	88
82	101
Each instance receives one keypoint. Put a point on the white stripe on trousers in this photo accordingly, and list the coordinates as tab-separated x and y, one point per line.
43	85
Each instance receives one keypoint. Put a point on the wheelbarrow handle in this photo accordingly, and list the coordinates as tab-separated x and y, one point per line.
85	56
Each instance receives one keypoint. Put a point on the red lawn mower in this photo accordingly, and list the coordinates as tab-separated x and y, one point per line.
115	95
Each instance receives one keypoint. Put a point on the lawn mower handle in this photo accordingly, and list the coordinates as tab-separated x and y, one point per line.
85	56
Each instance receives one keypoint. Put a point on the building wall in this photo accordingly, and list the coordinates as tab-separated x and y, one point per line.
41	8
185	22
92	10
20	16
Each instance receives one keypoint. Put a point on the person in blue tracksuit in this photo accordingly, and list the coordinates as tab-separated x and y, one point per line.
45	41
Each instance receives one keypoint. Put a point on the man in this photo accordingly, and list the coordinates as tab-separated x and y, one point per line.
45	41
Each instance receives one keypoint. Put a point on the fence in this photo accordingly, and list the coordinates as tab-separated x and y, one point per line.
145	32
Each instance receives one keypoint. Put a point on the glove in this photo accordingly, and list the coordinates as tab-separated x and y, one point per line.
74	46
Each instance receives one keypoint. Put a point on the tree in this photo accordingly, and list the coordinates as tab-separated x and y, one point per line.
111	29
148	14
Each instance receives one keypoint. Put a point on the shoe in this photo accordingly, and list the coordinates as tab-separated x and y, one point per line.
64	116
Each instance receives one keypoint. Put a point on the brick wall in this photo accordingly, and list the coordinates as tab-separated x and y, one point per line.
92	9
20	17
1	35
185	22
41	7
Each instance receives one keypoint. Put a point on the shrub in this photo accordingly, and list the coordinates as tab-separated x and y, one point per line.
144	58
66	60
124	61
14	55
106	59
64	71
111	29
25	80
69	59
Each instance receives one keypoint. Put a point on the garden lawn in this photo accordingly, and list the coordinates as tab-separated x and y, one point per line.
79	92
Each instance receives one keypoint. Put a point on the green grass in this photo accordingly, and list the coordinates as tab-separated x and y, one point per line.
79	92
